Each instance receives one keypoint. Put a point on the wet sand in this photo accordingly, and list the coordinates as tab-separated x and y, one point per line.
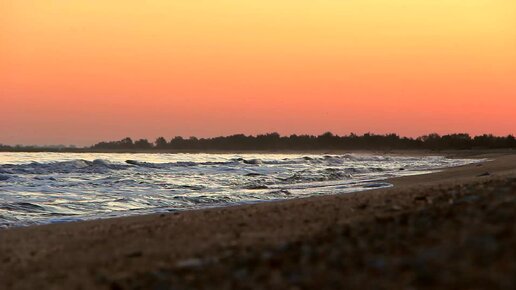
455	229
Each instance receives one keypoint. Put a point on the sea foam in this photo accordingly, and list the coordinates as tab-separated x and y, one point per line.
52	187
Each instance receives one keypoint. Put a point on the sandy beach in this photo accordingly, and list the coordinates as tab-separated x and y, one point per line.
453	229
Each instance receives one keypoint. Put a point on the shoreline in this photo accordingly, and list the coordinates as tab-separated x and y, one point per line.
98	253
147	212
414	152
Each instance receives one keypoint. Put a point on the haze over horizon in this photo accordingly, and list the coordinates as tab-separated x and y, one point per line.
80	72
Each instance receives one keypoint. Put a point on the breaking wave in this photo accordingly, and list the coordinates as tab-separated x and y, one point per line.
55	187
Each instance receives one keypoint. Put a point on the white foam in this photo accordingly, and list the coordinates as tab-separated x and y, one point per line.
54	187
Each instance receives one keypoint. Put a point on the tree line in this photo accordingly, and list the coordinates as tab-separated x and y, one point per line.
274	141
326	141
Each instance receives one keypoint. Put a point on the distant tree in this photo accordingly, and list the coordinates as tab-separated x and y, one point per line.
456	141
126	143
178	142
431	141
161	143
274	141
510	142
142	144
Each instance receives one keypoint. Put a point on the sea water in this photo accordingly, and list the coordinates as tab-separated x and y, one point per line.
38	188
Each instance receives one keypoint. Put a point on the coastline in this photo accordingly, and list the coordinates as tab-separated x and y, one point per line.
123	251
410	152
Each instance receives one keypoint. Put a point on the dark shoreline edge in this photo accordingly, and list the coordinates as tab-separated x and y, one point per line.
415	152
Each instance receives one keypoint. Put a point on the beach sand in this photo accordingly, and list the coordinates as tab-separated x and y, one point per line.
454	229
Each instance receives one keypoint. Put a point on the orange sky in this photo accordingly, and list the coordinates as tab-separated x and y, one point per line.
77	72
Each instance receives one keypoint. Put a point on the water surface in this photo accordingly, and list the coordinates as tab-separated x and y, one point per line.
55	187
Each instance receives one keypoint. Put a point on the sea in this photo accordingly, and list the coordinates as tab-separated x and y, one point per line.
43	188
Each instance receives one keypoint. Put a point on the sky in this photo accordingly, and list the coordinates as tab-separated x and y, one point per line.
83	71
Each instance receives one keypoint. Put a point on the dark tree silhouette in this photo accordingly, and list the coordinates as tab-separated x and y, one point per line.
274	141
326	141
161	143
142	144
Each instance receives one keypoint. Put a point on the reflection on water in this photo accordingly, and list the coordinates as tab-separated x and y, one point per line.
55	187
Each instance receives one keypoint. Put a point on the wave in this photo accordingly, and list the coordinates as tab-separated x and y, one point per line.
80	165
22	206
333	161
109	185
102	166
174	164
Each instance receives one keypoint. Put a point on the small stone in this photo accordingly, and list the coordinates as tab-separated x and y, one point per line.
190	263
396	207
135	254
362	206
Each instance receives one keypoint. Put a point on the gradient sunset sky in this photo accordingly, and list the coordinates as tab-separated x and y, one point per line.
82	71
